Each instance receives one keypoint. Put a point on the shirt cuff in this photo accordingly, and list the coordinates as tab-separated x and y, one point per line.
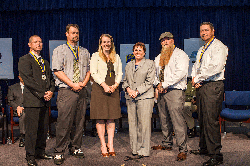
165	85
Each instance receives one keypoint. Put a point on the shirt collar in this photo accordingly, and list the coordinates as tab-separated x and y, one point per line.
37	56
22	85
72	46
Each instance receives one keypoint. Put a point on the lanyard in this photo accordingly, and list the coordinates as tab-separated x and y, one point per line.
205	48
41	66
76	54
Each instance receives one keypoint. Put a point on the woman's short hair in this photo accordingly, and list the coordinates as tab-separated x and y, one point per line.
141	45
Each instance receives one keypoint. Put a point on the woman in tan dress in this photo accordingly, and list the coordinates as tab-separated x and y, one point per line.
106	71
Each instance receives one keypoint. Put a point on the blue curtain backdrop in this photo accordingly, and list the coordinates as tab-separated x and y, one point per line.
130	21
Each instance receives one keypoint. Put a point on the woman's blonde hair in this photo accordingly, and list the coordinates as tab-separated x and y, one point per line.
111	51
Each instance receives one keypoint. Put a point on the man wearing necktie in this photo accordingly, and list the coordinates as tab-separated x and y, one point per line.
171	81
70	64
39	87
207	78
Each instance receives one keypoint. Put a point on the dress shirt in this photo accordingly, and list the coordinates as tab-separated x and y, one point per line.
175	72
22	86
212	65
63	60
36	55
98	68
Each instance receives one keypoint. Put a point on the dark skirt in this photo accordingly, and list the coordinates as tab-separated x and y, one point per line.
105	105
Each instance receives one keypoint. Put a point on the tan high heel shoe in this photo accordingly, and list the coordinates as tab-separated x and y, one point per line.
105	154
111	153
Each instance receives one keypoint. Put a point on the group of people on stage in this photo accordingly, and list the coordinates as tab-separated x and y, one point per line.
73	68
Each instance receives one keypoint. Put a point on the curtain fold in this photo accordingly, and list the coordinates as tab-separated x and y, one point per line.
130	22
15	5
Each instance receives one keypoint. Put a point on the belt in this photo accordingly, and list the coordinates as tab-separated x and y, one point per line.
173	89
63	88
205	82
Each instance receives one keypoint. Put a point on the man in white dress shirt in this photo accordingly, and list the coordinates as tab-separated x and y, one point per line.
207	78
171	79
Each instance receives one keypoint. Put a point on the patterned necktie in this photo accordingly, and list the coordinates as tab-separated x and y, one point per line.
161	75
76	70
40	61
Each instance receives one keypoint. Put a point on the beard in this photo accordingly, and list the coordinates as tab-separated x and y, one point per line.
166	53
75	39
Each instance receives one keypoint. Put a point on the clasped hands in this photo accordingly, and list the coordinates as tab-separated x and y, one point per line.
48	95
78	86
109	89
161	89
132	93
196	85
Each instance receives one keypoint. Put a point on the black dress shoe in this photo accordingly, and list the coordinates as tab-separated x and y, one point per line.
21	143
141	156
212	162
199	152
134	157
134	154
44	156
31	162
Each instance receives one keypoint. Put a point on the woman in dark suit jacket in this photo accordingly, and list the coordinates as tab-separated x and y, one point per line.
138	83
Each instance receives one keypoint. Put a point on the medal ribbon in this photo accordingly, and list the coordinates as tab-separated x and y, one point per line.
41	66
205	48
76	54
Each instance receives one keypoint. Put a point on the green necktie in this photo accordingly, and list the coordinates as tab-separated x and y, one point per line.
76	70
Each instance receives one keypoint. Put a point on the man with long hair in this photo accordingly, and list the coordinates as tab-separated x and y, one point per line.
171	79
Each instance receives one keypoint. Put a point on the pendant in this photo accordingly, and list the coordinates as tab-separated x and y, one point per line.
43	77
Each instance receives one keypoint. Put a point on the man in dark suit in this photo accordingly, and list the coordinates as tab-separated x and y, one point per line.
15	100
39	87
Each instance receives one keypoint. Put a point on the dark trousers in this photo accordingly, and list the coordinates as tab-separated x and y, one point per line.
36	126
22	123
70	122
209	103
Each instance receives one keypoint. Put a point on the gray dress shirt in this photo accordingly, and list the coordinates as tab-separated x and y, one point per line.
63	60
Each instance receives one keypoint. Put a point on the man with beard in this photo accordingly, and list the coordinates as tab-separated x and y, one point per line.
207	78
70	64
171	79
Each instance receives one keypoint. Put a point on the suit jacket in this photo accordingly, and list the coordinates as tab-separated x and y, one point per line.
15	96
35	87
141	78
